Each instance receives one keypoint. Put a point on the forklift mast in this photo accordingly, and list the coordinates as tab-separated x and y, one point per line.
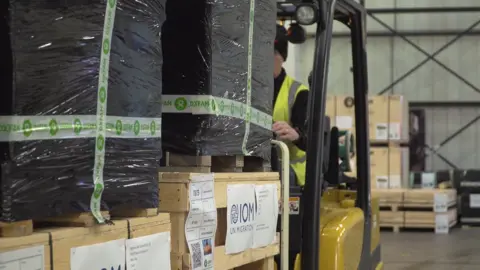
323	13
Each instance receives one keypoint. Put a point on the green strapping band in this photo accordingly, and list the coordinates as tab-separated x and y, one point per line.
101	127
249	76
206	104
55	127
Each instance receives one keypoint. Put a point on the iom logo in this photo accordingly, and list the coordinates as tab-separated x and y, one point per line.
242	213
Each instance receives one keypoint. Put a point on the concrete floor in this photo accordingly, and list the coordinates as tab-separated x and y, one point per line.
459	250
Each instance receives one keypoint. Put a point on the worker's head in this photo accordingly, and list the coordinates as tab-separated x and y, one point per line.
281	49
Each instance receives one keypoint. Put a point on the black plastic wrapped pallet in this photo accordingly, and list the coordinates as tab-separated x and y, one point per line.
206	77
470	207
51	53
467	180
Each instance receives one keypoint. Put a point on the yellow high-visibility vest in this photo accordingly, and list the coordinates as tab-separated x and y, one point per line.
281	112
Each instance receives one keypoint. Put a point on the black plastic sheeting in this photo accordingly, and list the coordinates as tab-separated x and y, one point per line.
205	49
50	53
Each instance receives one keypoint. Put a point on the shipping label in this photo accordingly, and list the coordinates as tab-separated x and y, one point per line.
201	223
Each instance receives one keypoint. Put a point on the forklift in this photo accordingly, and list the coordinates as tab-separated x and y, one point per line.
333	228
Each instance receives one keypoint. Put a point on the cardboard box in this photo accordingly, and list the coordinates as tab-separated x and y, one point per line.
389	167
398	118
377	113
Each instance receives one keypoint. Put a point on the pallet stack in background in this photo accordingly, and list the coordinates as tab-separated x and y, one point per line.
434	209
388	132
465	182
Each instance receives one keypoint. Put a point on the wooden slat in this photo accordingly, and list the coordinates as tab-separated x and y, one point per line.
16	229
224	262
64	239
143	226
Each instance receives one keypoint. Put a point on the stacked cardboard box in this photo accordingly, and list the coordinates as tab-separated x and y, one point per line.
388	116
389	167
388	129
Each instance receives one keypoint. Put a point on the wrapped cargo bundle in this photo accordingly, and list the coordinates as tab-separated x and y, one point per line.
80	120
218	77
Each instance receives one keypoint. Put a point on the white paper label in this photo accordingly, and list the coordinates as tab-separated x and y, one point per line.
381	131
428	180
201	224
395	181
23	259
382	182
266	216
474	201
344	122
108	255
394	131
240	218
441	224
440	202
151	252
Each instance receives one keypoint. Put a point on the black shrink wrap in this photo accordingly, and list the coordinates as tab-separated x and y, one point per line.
206	74
51	53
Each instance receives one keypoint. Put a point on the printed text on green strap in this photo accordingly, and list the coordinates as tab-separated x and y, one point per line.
204	104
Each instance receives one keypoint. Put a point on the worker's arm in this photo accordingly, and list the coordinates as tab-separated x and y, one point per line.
299	119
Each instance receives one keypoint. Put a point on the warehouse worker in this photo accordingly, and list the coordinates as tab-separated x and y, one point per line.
290	110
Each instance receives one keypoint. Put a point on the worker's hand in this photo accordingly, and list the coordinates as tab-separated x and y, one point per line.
285	132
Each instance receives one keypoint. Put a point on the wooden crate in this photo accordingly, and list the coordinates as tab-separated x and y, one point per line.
207	164
19	243
388	197
425	198
252	259
419	207
82	219
427	219
64	239
390	202
174	192
143	226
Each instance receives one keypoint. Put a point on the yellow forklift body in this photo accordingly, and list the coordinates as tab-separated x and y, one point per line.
346	198
341	237
341	234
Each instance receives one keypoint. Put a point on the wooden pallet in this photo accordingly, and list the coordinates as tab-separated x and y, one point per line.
390	203
419	207
207	164
391	226
16	229
174	190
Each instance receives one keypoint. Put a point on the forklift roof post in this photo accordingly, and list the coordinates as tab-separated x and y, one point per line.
351	14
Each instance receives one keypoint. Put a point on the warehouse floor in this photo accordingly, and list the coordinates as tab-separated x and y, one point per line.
458	250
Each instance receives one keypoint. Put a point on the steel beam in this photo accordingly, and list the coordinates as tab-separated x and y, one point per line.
429	56
443	158
413	33
444	104
422	10
435	149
